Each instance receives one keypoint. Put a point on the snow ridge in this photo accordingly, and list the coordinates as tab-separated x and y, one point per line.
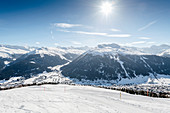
113	50
146	63
121	64
6	52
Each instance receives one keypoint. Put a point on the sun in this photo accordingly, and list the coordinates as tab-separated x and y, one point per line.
106	8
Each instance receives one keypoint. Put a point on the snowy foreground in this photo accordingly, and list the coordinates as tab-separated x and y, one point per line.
77	99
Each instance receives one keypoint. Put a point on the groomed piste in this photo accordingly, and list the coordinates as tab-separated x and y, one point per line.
78	99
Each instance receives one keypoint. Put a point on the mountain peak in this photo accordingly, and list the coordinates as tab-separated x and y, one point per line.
113	45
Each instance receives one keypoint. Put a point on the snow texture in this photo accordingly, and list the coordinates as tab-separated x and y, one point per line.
6	52
77	99
114	51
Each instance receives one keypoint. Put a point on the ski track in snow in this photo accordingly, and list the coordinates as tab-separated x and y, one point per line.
121	64
77	99
146	63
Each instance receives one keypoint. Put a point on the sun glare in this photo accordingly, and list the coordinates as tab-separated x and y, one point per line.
106	8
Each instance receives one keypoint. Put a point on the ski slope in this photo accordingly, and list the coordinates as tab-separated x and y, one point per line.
77	99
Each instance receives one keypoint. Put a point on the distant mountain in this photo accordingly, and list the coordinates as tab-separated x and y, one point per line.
155	50
113	62
113	45
110	62
38	61
165	53
10	53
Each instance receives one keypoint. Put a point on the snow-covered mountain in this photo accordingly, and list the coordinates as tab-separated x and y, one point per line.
113	62
156	50
165	53
115	49
110	62
10	53
39	60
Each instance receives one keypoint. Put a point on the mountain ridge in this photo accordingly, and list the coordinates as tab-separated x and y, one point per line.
106	61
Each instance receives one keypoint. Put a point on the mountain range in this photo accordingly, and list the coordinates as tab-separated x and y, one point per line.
110	62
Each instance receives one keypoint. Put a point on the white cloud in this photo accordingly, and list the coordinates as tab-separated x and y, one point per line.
135	43
76	43
63	30
146	26
98	34
151	42
38	43
56	44
119	35
115	30
144	38
66	25
90	33
138	42
103	34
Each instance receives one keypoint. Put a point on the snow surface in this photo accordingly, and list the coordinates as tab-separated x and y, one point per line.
162	50
6	62
55	76
6	52
161	80
165	53
56	51
77	99
45	77
114	51
32	62
53	51
121	64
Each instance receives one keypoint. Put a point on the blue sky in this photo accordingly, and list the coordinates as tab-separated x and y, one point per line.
81	23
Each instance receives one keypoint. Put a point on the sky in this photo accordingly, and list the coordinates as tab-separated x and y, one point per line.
78	23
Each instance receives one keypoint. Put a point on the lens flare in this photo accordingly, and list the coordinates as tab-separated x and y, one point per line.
106	8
